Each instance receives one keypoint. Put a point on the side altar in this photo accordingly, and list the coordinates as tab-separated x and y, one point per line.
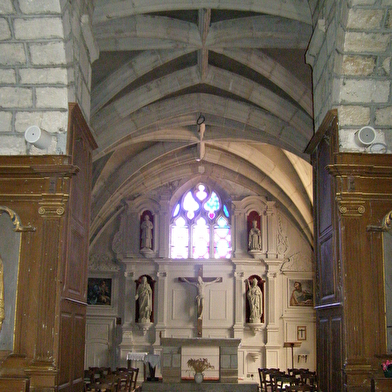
228	357
171	366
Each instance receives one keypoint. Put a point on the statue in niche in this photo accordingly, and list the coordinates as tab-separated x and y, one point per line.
146	235
255	299
254	241
144	295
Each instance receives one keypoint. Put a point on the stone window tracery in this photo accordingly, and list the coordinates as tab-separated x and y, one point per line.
200	226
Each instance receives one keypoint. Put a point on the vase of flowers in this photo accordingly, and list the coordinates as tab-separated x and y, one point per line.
199	366
387	368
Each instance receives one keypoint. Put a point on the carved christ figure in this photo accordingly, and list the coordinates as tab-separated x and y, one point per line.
200	285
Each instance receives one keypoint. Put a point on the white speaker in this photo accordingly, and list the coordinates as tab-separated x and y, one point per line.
38	137
366	135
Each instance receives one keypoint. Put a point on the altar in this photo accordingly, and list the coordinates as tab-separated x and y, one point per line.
172	351
203	387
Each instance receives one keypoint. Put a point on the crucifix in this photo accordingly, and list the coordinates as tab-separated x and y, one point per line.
200	283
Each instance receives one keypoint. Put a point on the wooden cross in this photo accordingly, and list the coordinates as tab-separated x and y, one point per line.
200	283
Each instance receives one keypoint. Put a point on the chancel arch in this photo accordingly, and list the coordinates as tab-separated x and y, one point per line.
227	278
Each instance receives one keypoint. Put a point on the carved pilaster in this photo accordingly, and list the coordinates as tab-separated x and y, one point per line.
164	225
239	231
161	293
270	215
271	290
351	208
52	215
239	302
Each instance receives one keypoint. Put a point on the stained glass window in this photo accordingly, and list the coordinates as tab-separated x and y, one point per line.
180	239
226	211
176	210
222	239
200	226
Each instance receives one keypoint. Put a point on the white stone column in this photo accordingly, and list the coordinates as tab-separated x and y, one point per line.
273	311
239	303
131	230
164	225
160	303
270	214
239	232
129	297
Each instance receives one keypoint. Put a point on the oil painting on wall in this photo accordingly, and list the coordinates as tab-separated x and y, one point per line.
301	292
99	291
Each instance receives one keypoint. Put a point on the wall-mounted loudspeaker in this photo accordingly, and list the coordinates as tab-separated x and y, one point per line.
366	135
38	137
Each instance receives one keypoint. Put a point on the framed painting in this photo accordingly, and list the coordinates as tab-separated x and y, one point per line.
300	292
99	291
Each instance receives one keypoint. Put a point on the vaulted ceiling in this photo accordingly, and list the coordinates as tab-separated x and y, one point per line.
238	67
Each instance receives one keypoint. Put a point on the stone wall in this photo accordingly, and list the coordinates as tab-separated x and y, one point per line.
46	51
350	54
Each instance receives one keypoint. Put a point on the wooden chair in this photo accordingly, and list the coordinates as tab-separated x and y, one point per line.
297	373
266	381
95	374
135	372
310	378
302	388
124	380
281	380
101	380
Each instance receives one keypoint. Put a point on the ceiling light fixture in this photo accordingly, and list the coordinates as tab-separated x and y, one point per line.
200	145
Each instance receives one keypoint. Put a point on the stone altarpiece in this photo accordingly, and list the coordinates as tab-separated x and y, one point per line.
284	255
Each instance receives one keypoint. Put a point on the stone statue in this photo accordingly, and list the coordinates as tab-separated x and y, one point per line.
255	298
147	227
200	285
144	295
254	242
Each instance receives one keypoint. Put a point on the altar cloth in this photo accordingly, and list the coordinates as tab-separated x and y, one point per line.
203	387
136	356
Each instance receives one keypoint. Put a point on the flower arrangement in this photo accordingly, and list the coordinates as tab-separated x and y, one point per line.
385	365
199	365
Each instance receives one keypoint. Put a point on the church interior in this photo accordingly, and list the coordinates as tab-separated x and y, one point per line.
195	179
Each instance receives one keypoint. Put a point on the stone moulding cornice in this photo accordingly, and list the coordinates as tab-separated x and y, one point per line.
352	170
39	170
103	263
37	166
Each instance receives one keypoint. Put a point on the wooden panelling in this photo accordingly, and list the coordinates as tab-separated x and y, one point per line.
80	146
328	267
51	195
323	185
66	343
349	276
336	333
72	336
